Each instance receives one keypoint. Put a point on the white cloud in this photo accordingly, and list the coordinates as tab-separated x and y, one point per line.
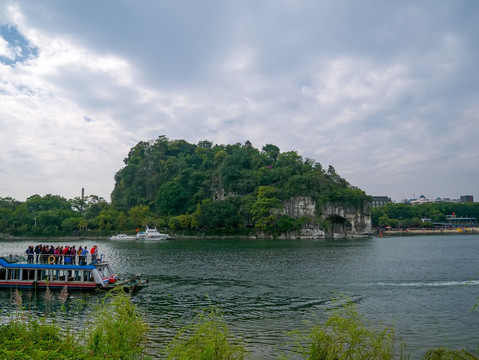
6	50
70	114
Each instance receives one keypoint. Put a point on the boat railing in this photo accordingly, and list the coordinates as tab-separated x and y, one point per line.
59	259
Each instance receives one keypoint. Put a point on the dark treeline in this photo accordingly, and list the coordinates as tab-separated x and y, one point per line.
181	186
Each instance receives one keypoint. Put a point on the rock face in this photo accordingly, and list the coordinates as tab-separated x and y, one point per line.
352	221
300	206
345	221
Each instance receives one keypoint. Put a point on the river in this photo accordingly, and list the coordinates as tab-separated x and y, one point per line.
422	286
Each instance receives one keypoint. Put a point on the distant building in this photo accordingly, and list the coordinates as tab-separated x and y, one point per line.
421	200
446	200
380	201
467	199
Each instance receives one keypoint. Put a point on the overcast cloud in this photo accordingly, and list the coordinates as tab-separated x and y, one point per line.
385	91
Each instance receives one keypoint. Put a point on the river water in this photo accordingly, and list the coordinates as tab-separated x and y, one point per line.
423	286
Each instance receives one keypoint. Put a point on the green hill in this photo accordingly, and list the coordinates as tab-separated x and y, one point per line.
227	187
212	189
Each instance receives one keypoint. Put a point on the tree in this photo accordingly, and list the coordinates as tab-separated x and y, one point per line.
271	151
224	214
70	224
264	208
171	199
138	215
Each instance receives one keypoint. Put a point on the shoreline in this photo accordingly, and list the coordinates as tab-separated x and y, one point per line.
386	233
407	232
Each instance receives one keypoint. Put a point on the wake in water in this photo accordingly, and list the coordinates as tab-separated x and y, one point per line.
431	283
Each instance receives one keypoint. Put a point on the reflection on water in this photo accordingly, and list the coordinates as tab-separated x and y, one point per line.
424	287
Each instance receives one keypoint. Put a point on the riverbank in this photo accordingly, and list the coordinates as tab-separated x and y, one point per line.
414	232
178	236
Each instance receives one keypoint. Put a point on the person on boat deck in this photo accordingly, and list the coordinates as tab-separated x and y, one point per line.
51	252
44	256
38	251
73	252
58	259
66	255
80	249
94	253
84	255
29	253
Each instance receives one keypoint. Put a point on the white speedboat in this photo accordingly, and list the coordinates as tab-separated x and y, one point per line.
151	235
123	237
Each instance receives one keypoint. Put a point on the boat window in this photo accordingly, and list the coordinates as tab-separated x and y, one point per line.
87	275
14	274
61	275
28	274
39	274
42	275
3	274
76	275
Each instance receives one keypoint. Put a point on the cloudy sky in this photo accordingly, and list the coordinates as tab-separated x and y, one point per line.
385	91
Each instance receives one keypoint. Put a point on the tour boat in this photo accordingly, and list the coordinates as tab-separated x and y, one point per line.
58	271
122	237
151	235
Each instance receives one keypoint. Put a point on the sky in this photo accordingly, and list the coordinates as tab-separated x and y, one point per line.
385	91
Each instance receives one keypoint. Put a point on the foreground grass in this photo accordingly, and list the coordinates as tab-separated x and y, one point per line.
208	337
115	330
345	335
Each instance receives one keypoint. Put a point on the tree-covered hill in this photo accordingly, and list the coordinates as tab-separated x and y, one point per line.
207	186
175	185
215	189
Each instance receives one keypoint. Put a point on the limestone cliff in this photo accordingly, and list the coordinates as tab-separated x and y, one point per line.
330	220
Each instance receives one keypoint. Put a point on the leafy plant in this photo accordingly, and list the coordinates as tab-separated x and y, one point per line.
36	339
207	338
447	354
345	336
115	329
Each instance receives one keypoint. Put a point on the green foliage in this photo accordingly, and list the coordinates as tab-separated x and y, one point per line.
447	354
187	187
345	335
37	341
171	198
410	215
138	214
222	214
184	222
116	330
206	338
287	223
271	151
265	209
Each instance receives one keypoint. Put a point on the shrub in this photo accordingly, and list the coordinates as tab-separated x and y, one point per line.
345	335
116	330
37	340
207	338
445	354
